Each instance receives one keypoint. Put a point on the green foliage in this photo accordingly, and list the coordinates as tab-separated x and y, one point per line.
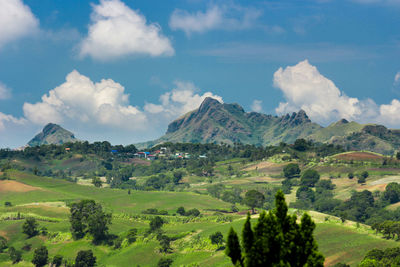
305	193
156	223
181	211
217	238
87	216
165	243
97	182
291	170
392	193
131	236
40	256
3	243
57	260
15	255
277	239
254	199
364	174
30	227
377	257
155	212
233	249
350	175
165	262
309	178
85	258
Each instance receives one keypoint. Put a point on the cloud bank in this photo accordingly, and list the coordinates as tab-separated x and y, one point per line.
16	21
116	30
216	17
5	92
304	87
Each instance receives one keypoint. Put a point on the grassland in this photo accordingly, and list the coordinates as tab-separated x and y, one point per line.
46	199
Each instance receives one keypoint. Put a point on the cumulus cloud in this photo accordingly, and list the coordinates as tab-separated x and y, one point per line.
79	99
5	92
116	30
225	17
16	21
180	100
305	88
256	106
9	119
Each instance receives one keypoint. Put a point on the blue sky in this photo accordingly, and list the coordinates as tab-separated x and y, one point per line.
121	70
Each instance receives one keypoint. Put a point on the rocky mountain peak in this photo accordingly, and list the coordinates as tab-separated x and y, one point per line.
52	134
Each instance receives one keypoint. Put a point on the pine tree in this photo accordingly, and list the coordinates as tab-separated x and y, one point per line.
276	240
233	248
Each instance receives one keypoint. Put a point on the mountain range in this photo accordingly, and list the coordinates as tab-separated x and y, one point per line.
215	122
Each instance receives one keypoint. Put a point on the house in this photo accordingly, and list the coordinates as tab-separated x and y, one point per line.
151	157
142	154
114	151
202	156
67	149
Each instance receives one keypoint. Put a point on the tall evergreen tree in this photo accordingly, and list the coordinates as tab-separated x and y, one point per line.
276	240
233	248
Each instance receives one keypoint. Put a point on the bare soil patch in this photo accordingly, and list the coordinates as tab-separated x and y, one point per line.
359	156
13	186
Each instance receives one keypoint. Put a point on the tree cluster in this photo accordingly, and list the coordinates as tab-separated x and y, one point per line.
276	240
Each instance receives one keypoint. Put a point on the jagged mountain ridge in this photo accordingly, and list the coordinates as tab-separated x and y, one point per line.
214	122
52	134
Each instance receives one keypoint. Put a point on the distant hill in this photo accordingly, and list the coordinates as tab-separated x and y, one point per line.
214	122
52	134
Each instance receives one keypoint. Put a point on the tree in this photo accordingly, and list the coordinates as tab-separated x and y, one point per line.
361	180
30	227
305	193
15	255
300	145
156	223
278	240
87	216
217	238
364	174
165	243
291	170
40	256
398	155
254	199
57	260
309	178
181	211
85	258
131	236
3	243
233	249
177	177
193	212
97	182
350	175
165	262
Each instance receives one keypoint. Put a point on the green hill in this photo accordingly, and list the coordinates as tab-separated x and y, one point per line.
52	134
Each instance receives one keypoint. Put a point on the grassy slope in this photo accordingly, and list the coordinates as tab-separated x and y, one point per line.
338	242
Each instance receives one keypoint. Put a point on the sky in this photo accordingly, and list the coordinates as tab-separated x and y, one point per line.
122	70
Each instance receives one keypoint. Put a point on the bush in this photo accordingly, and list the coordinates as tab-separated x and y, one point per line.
3	244
291	170
30	227
309	178
350	175
165	262
85	258
57	260
217	238
156	223
131	236
7	204
15	255
193	212
40	256
181	211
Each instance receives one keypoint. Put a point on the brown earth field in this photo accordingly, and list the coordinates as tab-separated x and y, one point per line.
13	186
359	156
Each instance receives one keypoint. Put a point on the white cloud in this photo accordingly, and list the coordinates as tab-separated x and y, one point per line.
225	17
5	119
16	21
81	100
5	92
305	88
397	78
182	99
116	30
256	106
